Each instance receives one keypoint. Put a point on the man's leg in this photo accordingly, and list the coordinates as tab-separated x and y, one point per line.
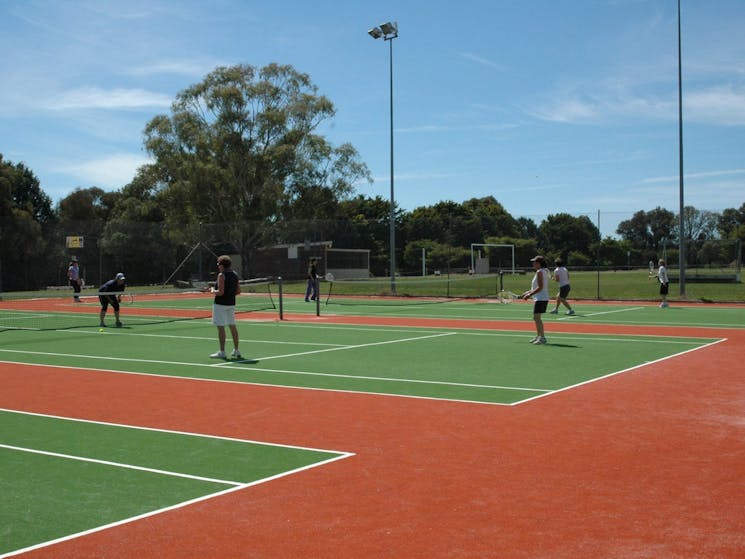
234	334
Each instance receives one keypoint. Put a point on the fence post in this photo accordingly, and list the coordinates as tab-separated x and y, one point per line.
281	309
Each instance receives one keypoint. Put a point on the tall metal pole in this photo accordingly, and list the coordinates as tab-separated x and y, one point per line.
392	216
681	239
389	31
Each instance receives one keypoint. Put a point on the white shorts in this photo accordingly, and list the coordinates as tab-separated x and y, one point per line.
223	315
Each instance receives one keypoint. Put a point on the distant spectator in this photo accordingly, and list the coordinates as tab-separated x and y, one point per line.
312	289
73	278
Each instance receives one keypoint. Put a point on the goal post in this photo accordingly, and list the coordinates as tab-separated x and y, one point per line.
478	262
347	263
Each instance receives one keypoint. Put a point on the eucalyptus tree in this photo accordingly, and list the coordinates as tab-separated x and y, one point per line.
242	149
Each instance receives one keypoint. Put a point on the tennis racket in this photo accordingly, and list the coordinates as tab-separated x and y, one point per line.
507	297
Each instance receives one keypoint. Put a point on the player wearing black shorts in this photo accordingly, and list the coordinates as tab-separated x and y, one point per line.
115	287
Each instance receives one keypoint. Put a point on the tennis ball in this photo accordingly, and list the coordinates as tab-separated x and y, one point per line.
100	329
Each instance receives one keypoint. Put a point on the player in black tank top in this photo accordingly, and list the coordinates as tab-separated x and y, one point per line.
223	310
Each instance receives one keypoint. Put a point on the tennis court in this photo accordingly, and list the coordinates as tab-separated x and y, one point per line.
452	435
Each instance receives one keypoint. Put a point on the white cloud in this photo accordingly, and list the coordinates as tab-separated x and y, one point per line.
97	98
719	105
481	60
568	110
693	176
187	68
113	171
716	105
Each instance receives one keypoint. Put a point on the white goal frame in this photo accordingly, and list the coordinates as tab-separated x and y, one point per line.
487	245
348	272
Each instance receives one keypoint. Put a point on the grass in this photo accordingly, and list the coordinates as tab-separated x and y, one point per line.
634	285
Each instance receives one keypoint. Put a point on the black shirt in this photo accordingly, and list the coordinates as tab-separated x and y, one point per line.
112	287
230	288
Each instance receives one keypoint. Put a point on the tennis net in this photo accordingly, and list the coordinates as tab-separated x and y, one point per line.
138	306
410	290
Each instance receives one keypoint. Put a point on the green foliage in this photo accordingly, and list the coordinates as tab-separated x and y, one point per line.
563	233
648	229
525	249
460	224
438	256
240	147
26	217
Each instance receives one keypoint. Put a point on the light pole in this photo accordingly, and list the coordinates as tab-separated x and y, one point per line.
389	31
681	217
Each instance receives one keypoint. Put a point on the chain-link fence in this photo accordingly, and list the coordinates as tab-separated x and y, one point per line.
162	253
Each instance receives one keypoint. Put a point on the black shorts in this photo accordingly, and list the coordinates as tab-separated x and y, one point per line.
75	284
664	287
539	307
564	291
107	300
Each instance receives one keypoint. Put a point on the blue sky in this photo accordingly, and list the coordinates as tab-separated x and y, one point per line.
548	105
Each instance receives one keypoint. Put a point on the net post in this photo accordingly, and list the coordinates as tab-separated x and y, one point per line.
281	298
317	291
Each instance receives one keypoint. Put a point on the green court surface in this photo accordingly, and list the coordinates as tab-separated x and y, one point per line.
498	367
61	477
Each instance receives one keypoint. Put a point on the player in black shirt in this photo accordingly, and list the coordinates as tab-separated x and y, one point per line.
116	288
223	309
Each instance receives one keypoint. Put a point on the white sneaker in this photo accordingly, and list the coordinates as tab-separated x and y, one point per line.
540	341
532	341
570	312
236	354
219	355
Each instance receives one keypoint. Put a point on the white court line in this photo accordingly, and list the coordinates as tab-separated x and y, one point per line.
282	371
177	337
640	365
119	465
394	379
343	348
599	313
165	431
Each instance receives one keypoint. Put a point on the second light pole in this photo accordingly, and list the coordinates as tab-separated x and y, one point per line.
389	31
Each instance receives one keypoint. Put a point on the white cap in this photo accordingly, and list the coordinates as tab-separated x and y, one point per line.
120	276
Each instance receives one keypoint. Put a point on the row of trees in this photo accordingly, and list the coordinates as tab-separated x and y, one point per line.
238	165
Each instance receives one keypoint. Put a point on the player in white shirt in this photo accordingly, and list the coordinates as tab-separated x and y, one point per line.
561	274
664	282
539	292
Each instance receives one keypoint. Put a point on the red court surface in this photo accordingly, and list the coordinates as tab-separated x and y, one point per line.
646	464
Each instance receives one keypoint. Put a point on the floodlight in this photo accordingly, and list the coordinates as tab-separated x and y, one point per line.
389	28
375	33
